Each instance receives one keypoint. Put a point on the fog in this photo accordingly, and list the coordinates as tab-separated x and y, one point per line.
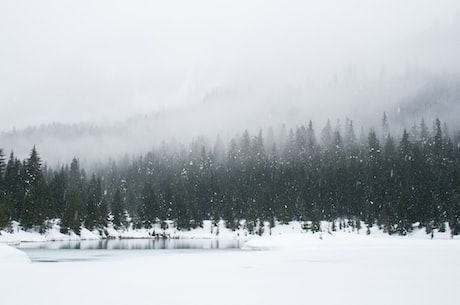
119	77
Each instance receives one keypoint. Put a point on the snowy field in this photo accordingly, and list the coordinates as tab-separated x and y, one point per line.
343	268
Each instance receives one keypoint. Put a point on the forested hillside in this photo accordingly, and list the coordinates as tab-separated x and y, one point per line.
393	181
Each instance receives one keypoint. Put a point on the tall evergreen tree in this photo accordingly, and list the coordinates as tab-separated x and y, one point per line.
373	181
424	134
149	207
326	136
14	188
94	218
118	210
59	188
71	218
385	127
4	218
33	213
2	168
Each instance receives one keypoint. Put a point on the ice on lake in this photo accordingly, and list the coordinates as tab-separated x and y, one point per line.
299	269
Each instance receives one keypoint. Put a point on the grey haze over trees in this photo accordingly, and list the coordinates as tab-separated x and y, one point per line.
125	76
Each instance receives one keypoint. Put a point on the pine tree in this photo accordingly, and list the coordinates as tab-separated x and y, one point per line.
438	167
337	204
326	136
454	213
350	140
33	213
385	127
406	177
77	181
71	218
4	218
94	202
149	207
118	210
387	213
14	188
3	214
424	134
312	145
102	214
181	208
59	186
373	181
2	170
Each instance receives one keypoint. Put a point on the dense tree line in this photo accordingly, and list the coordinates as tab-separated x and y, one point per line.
392	182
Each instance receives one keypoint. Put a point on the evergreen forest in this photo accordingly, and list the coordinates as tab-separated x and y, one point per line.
396	182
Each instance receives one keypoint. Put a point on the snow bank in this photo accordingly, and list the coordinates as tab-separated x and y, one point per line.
292	237
209	230
9	255
18	234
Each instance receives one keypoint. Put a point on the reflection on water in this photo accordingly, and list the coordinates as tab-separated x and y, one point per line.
135	244
86	250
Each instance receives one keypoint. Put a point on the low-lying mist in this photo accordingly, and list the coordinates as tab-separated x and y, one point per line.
106	79
226	112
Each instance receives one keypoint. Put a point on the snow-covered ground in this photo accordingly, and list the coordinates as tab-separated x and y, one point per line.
10	255
296	268
16	234
208	231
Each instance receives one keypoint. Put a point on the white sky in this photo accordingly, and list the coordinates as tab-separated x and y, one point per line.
73	61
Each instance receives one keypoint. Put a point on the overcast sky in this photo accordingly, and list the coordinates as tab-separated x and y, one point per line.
74	61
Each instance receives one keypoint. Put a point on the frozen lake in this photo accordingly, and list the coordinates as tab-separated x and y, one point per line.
346	269
88	250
